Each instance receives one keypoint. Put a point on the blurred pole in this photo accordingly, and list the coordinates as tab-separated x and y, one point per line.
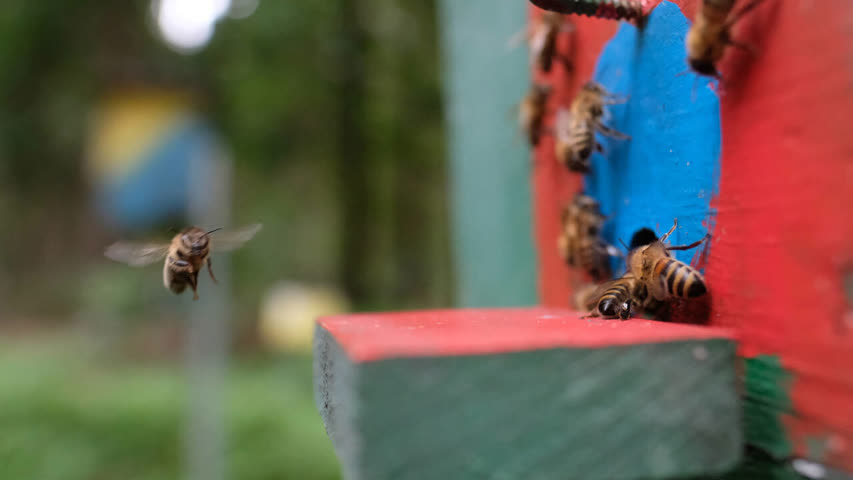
490	166
207	340
356	198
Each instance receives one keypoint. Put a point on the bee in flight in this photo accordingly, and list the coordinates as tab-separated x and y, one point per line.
531	112
653	277
710	34
575	127
185	256
580	243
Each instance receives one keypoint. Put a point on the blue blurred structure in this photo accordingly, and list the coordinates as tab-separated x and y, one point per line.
141	148
670	168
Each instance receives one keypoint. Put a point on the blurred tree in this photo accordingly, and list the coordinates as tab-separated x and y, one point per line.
332	111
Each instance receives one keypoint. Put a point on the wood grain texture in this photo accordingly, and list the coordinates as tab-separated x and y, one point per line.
781	250
606	400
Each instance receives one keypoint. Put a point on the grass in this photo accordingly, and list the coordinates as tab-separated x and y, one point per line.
67	415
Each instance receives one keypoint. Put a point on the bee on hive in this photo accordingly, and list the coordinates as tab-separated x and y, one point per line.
531	112
580	243
543	41
653	277
710	34
575	127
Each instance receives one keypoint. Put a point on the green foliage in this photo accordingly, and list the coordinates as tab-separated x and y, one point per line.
65	417
272	85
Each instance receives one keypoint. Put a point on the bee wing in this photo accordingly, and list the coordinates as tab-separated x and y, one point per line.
587	296
233	239
136	254
537	41
515	40
562	122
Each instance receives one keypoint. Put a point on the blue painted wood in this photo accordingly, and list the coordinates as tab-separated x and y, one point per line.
670	167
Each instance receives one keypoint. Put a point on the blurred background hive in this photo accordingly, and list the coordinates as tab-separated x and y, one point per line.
332	116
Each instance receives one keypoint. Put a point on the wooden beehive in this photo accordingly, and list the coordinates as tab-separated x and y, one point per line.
765	167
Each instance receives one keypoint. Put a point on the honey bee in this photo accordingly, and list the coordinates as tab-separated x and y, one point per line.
653	277
186	254
579	243
531	112
613	299
662	274
575	127
710	34
543	40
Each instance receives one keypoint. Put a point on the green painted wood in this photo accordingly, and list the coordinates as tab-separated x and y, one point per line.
766	399
644	411
490	162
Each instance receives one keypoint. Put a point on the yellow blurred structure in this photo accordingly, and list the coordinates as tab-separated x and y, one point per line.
288	311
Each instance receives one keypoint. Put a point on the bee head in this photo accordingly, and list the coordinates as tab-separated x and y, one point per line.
609	308
196	240
625	311
642	237
704	66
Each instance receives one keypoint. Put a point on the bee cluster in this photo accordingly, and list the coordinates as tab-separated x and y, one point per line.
653	277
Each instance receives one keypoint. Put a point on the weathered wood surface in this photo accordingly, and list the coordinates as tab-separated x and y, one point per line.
525	393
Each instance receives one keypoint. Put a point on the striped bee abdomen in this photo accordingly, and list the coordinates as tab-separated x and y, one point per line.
615	301
679	279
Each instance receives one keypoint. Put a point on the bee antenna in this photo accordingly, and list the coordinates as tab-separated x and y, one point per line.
623	244
683	73
173	230
214	230
693	89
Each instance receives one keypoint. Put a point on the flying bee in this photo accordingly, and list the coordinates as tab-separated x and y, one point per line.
580	243
653	277
185	256
710	34
531	112
575	127
543	40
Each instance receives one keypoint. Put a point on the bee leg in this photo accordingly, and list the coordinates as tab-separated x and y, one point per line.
210	271
567	64
667	234
546	131
688	247
599	147
744	46
194	285
749	6
604	129
615	100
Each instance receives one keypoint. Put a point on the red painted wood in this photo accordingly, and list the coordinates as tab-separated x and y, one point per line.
375	336
783	235
553	185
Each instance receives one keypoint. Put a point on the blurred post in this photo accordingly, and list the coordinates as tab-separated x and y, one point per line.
357	200
489	161
207	337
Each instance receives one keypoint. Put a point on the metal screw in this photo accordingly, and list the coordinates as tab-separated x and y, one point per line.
608	9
